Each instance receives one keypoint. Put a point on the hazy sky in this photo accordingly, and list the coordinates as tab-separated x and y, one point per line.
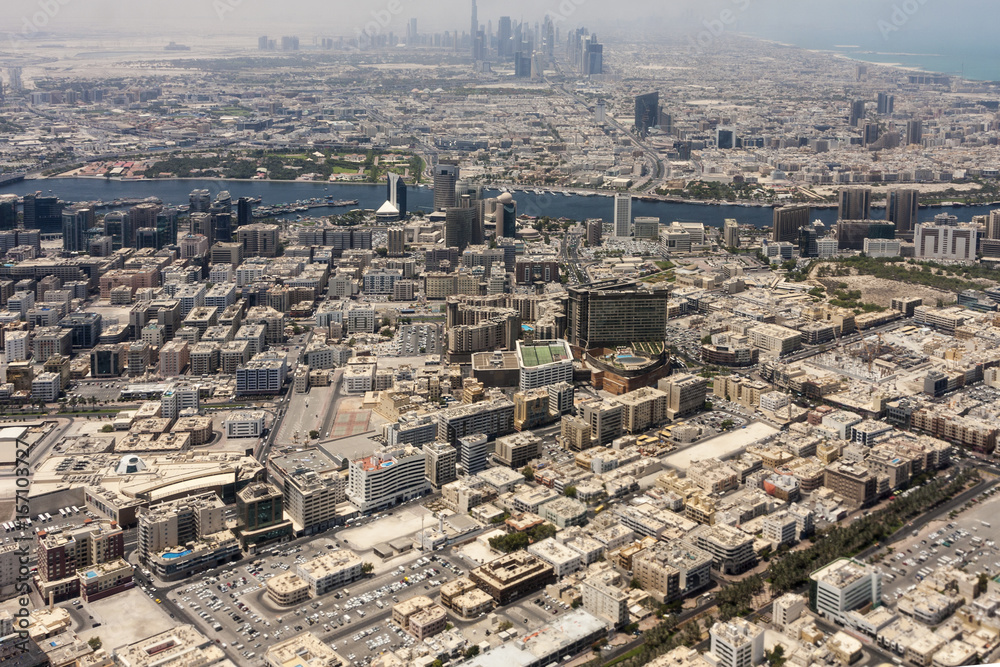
874	24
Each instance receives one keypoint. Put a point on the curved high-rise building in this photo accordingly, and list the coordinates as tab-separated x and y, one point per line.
445	181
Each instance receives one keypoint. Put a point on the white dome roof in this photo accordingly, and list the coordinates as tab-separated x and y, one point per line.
130	463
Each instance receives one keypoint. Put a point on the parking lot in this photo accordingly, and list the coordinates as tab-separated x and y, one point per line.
232	608
970	539
715	422
104	391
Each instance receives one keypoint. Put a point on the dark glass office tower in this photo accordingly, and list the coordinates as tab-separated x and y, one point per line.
244	212
43	214
902	209
8	212
166	228
647	112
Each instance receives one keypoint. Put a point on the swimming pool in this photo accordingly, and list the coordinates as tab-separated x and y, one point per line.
629	359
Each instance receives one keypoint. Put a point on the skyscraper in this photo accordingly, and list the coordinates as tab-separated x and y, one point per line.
522	65
647	112
75	223
870	134
200	201
593	57
396	193
993	226
855	204
474	29
43	213
786	223
725	138
458	227
914	132
396	241
619	314
166	227
886	104
505	45
468	195
508	210
8	212
731	233
623	215
594	232
901	209
857	112
222	225
116	226
244	212
445	179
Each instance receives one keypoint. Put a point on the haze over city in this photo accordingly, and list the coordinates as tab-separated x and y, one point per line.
499	334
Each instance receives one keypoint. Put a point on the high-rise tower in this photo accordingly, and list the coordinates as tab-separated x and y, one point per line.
623	215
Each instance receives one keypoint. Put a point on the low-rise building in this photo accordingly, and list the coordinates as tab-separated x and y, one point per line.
512	576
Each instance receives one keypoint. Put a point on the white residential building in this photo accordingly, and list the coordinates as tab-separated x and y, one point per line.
249	424
844	585
332	570
388	477
737	643
605	600
882	247
17	346
954	242
543	363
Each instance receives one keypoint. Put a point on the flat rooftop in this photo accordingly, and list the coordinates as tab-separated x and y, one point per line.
545	353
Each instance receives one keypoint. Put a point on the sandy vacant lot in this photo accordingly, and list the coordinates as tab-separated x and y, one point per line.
881	291
126	618
402	523
720	446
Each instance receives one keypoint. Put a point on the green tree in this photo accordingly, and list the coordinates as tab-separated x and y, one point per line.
510	542
570	492
367	568
542	531
529	473
726	424
95	643
776	656
314	434
472	651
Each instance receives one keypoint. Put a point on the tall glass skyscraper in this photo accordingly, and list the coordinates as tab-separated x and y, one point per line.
647	112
